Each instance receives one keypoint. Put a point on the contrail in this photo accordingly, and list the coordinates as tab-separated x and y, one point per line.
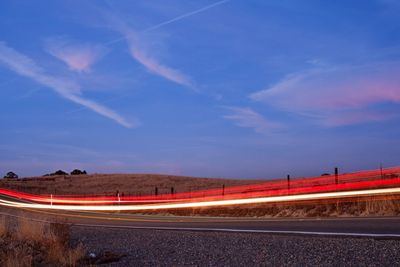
154	27
185	15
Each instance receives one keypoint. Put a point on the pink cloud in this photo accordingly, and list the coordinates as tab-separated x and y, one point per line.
78	57
334	92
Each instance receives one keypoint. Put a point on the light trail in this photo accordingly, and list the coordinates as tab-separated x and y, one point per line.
375	182
260	200
349	181
277	185
55	200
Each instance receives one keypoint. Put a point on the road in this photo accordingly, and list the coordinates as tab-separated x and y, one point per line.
342	226
361	226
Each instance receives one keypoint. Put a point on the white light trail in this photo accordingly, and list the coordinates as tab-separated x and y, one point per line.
229	202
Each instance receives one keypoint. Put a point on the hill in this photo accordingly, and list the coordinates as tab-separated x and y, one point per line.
108	184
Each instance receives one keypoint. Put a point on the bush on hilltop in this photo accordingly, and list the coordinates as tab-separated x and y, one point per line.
78	172
11	175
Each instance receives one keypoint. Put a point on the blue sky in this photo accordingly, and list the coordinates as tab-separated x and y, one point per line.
241	89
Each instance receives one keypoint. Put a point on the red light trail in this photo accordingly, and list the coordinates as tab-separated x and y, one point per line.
360	184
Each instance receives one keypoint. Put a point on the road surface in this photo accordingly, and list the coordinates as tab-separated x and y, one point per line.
357	226
350	226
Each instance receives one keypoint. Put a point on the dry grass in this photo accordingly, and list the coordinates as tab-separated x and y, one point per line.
386	206
108	184
18	257
32	243
370	206
70	257
3	226
28	230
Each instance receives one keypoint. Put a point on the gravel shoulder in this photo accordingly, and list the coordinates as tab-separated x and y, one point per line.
185	248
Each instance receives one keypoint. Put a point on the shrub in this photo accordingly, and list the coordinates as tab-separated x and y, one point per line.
11	175
59	172
78	172
32	243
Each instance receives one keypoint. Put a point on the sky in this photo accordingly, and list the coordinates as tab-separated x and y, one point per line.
233	88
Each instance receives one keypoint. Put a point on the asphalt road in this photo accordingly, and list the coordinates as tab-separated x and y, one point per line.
360	226
349	226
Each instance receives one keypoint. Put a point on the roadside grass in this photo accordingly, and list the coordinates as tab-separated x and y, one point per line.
31	243
367	206
34	231
3	226
386	206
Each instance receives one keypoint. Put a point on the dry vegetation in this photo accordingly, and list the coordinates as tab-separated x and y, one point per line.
108	184
367	206
30	243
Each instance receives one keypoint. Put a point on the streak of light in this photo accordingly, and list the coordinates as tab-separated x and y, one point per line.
295	184
289	198
260	192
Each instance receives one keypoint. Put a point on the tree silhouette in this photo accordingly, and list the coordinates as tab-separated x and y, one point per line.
59	172
78	172
11	175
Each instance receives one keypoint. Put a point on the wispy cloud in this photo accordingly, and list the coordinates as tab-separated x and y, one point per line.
332	92
140	52
152	64
68	89
78	56
248	118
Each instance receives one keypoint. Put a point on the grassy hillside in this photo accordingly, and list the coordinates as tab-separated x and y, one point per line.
129	184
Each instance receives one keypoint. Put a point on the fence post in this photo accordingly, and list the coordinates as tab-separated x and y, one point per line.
223	189
288	182
156	191
336	175
172	190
